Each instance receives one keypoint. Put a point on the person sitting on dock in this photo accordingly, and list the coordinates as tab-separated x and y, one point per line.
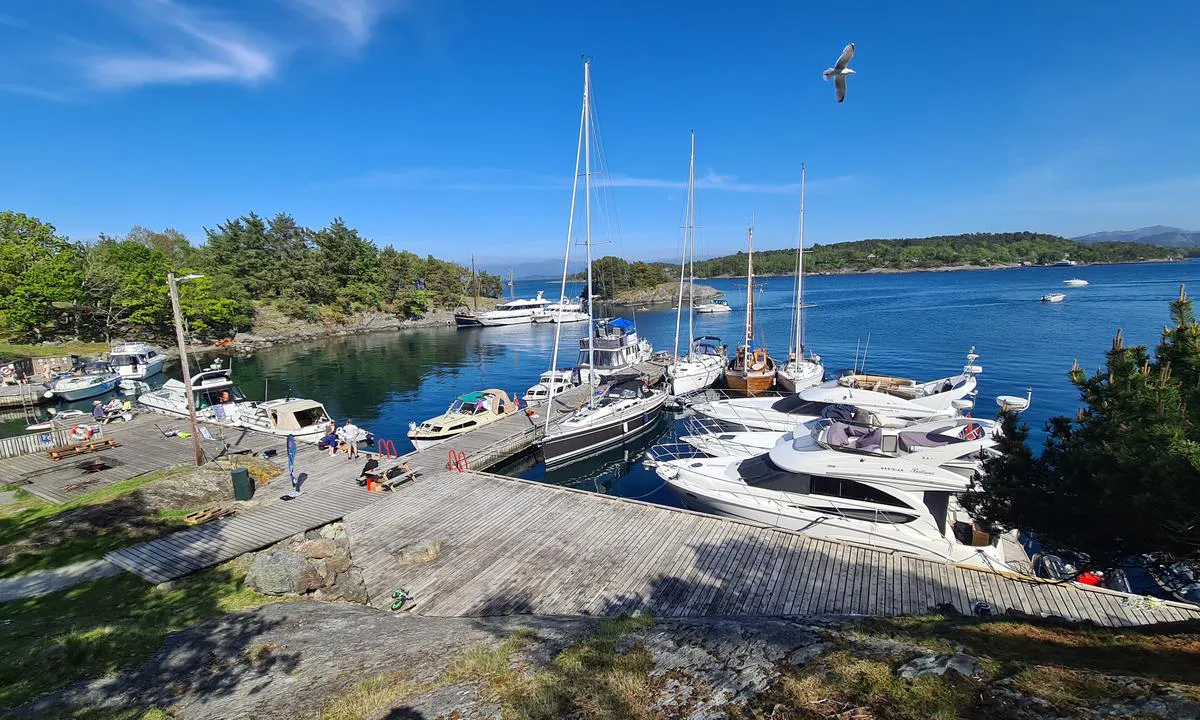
98	411
114	406
330	439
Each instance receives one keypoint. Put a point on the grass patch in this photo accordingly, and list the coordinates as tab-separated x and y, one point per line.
588	680
77	347
33	518
105	626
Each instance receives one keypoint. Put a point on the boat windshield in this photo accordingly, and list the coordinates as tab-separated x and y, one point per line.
470	403
129	358
218	396
604	358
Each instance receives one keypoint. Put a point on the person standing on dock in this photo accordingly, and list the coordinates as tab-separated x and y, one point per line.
291	454
350	439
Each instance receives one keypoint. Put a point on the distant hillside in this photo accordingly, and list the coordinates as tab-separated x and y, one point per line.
974	249
1161	235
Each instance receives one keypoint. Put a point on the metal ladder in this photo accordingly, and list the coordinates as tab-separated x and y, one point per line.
29	403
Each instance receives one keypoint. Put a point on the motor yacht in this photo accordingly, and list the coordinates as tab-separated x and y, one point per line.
890	488
551	381
219	401
1054	297
513	312
714	307
468	411
623	409
95	378
1075	282
564	311
136	360
885	395
613	348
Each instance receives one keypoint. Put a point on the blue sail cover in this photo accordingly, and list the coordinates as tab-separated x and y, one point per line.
623	324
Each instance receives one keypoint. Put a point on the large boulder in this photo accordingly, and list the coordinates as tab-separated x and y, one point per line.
282	572
320	548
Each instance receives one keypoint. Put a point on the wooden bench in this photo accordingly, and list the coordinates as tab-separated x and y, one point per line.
389	475
82	448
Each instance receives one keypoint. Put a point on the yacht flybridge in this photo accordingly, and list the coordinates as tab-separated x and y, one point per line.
136	360
705	359
625	407
884	395
891	488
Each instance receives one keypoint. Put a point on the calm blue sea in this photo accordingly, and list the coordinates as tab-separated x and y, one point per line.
920	325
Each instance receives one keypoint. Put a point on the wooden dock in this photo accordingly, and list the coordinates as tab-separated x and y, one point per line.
513	546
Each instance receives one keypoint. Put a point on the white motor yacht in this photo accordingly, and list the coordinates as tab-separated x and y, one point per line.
1075	282
885	395
890	488
714	307
136	360
96	378
1054	297
514	312
551	381
614	348
219	401
564	311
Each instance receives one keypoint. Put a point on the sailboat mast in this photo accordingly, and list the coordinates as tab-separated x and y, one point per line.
512	292
691	244
475	282
567	257
683	258
749	289
800	276
587	201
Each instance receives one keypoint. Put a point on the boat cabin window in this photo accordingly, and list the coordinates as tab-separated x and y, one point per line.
938	504
627	390
761	472
793	404
460	426
877	516
309	417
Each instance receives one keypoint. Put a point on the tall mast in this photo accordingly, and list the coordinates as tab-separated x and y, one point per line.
567	255
512	292
691	244
587	213
749	288
475	282
800	276
684	257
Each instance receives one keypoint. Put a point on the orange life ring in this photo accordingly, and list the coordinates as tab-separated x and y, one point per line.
758	361
80	432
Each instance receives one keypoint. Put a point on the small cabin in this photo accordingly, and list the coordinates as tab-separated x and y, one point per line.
297	415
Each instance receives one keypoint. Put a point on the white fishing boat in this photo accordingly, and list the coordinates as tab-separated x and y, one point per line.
554	382
706	357
885	395
800	371
1054	297
1075	282
713	307
136	360
626	406
895	489
96	378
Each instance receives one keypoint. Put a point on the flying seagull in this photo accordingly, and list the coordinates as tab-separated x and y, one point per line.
839	72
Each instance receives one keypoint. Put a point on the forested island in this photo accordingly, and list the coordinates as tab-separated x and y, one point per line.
52	287
944	251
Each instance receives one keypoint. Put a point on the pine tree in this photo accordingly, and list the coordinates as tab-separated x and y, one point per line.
1119	484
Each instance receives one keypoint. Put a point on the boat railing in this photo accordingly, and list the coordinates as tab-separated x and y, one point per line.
664	452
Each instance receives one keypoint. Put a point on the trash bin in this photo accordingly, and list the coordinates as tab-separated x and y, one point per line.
243	485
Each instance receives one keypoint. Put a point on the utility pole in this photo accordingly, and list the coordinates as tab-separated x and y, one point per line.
183	362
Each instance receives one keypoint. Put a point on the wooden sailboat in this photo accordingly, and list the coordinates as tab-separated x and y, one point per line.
752	370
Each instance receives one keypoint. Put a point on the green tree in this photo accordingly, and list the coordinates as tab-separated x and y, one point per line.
344	258
171	243
39	278
124	288
1118	484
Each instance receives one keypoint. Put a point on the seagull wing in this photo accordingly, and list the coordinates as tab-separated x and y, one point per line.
840	84
844	60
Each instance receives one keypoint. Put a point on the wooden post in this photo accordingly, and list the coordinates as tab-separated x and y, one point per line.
183	362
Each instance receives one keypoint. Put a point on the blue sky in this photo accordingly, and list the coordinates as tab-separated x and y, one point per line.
449	127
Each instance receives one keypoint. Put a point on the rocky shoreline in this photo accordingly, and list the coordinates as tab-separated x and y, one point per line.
272	329
665	293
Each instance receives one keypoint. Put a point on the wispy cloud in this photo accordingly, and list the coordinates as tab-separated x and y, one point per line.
33	92
355	19
191	48
715	181
501	179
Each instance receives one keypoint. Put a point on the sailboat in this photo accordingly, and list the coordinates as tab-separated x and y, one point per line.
705	359
752	370
799	372
625	406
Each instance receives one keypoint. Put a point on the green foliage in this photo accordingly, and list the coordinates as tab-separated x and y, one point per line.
611	275
490	285
977	249
125	288
1122	479
40	278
